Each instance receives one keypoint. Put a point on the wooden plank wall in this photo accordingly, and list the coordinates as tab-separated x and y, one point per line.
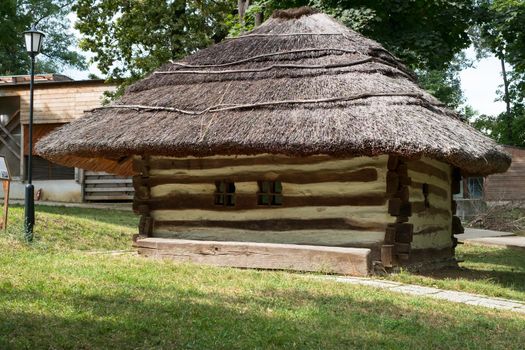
326	201
431	217
509	186
58	103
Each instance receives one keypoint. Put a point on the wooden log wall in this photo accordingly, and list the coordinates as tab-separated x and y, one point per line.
398	237
432	213
326	201
457	227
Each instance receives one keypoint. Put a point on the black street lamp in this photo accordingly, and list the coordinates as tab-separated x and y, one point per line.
33	40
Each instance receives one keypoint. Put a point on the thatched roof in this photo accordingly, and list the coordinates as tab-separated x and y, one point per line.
300	84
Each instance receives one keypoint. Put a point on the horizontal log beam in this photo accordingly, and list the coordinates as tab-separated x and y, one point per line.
396	207
422	167
346	261
419	207
214	163
431	229
433	189
276	224
297	177
244	202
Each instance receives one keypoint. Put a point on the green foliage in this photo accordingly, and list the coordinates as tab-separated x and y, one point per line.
17	16
497	127
501	31
445	84
425	34
132	38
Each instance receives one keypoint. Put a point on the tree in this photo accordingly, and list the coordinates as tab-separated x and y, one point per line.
132	38
16	16
496	127
500	30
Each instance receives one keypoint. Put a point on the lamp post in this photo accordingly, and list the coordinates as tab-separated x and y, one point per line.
33	39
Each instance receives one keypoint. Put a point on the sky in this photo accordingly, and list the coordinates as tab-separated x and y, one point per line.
479	83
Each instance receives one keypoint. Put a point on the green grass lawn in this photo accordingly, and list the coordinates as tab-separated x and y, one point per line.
496	272
58	294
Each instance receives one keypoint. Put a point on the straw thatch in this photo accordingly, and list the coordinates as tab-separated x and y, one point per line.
300	84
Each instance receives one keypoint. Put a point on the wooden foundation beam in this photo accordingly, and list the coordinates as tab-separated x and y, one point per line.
338	260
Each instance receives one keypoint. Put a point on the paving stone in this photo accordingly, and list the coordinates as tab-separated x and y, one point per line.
416	290
456	297
370	282
494	304
436	293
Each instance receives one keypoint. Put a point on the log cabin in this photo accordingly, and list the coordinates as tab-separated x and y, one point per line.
299	145
58	101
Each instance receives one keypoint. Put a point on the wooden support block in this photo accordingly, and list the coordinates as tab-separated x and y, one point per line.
393	162
402	248
392	182
139	181
401	219
404	233
390	234
145	225
403	257
339	260
457	227
387	255
141	166
396	207
142	193
404	180
402	169
403	193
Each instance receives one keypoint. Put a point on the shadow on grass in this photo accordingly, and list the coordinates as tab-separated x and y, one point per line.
505	267
174	319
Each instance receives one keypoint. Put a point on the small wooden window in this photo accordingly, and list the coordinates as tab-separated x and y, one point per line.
270	193
425	195
225	193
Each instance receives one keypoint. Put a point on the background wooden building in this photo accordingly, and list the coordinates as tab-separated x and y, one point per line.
58	101
301	145
478	193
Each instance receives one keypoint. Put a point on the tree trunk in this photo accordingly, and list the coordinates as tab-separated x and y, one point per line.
506	98
242	6
259	18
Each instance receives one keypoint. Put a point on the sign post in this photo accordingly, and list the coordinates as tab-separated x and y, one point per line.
6	184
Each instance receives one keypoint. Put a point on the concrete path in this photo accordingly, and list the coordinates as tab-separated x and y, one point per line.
517	242
448	295
491	238
479	233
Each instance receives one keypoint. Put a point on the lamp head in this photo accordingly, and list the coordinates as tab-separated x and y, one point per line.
34	39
